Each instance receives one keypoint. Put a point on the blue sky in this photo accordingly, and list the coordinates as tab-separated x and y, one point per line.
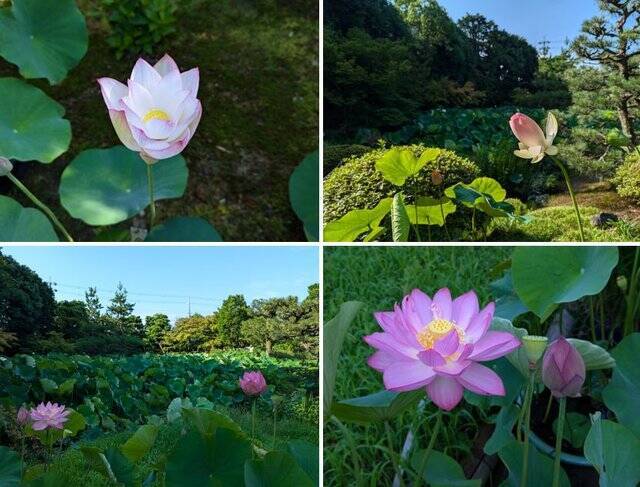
535	20
159	279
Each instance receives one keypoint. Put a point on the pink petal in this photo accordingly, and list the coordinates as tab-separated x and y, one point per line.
465	307
380	360
494	344
480	323
113	92
387	343
139	99
123	131
441	307
392	323
407	376
447	344
445	392
527	130
453	368
173	150
193	125
191	81
422	306
39	425
431	358
166	65
145	74
482	380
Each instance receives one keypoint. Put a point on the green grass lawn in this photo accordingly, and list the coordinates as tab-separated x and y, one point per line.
258	63
73	470
379	277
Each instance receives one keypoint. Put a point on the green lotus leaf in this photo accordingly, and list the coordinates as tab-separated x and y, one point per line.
19	224
107	186
304	194
44	38
183	229
31	123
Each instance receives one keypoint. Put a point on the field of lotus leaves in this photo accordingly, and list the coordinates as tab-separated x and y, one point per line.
157	420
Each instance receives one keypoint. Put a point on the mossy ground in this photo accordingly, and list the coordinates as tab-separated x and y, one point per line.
258	63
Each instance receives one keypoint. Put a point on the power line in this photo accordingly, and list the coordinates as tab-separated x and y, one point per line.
113	291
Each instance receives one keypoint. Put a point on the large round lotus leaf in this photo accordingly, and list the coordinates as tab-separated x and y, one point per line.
19	224
31	123
546	276
107	186
304	193
184	229
44	38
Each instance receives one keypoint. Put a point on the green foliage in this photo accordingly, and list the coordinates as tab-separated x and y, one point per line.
155	328
232	313
137	26
27	304
195	333
335	155
358	185
558	224
627	178
304	194
120	311
20	224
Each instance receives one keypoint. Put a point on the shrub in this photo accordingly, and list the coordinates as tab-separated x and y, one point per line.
137	25
558	224
358	185
335	155
109	344
627	178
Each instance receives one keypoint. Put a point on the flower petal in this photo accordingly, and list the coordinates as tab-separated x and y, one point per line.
166	65
380	360
407	376
144	74
191	81
445	392
480	323
447	344
123	131
482	380
551	128
453	368
526	130
387	343
465	307
431	358
113	92
441	307
494	344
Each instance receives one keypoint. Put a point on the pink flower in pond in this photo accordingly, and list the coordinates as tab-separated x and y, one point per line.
563	369
437	344
253	383
158	111
49	416
22	416
534	144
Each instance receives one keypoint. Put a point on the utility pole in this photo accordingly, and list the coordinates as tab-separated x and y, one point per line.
545	47
189	306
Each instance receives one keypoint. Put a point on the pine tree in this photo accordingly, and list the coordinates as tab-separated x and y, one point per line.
120	310
93	304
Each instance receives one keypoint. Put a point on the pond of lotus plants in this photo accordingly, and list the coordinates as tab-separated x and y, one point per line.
482	366
230	418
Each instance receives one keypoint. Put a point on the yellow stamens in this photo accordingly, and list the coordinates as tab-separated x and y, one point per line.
434	331
156	114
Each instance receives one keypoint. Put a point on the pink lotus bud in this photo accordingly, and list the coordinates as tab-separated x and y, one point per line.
534	144
49	416
253	383
23	416
158	111
563	370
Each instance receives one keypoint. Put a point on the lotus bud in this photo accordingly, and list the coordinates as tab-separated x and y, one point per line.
23	416
621	281
563	369
253	383
5	166
534	346
534	144
436	177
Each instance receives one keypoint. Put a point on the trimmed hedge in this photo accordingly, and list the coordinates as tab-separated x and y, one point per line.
358	185
627	178
335	155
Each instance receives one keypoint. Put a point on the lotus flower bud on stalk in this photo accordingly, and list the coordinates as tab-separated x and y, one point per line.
22	416
157	112
436	177
253	383
5	166
49	416
437	344
534	143
534	346
563	369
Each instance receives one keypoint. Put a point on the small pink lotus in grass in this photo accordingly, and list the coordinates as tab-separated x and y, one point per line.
49	416
158	111
23	415
534	144
253	383
437	344
563	369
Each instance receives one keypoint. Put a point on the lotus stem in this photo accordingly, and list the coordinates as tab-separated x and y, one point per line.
559	433
572	194
253	426
525	450
152	200
40	205
432	442
548	410
274	428
592	320
415	208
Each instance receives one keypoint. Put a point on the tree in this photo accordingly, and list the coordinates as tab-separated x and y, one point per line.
613	41
71	319
27	303
93	305
263	332
307	328
156	327
195	333
120	310
232	313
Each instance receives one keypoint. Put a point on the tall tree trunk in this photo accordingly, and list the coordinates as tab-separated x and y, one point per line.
267	347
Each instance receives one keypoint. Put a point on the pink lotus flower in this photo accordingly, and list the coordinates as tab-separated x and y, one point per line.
563	369
436	343
49	416
534	144
253	383
22	416
158	111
